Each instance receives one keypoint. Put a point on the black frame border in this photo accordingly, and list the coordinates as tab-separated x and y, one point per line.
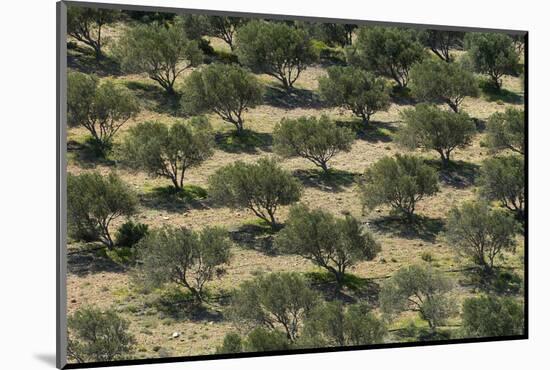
61	165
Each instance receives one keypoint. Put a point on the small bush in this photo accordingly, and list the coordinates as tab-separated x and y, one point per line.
232	343
130	233
490	316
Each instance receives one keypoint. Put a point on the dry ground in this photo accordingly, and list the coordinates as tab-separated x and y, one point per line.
95	280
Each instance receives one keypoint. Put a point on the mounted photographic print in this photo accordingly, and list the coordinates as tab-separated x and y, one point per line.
236	185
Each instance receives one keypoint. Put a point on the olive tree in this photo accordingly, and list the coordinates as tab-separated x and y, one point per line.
101	108
332	324
275	48
388	51
434	80
96	336
506	130
442	42
182	256
331	243
492	54
481	233
274	301
94	201
420	289
261	187
491	316
225	89
430	128
168	150
317	140
356	90
162	52
401	182
86	24
502	179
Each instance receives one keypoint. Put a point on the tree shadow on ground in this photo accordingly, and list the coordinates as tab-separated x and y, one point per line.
171	200
295	98
83	60
86	154
491	93
458	174
258	237
155	98
334	181
373	132
422	227
355	289
90	260
247	142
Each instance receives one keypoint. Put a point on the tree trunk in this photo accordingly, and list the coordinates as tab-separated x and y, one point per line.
324	166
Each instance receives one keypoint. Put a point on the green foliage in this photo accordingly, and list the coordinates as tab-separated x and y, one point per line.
430	128
232	343
507	130
491	316
101	109
334	34
161	51
331	324
434	80
277	300
388	51
503	179
225	89
356	90
401	182
98	336
421	289
261	187
168	151
441	42
93	202
262	340
130	233
493	54
275	48
317	140
184	257
85	25
481	233
331	243
225	28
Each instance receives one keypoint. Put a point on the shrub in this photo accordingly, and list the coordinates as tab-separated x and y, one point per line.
225	89
333	244
401	182
168	151
85	25
356	90
161	51
441	42
480	233
182	256
275	48
101	109
493	54
261	187
232	343
434	80
262	340
430	128
503	179
507	131
95	335
277	300
331	324
388	51
491	316
421	289
317	140
224	28
94	201
130	233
